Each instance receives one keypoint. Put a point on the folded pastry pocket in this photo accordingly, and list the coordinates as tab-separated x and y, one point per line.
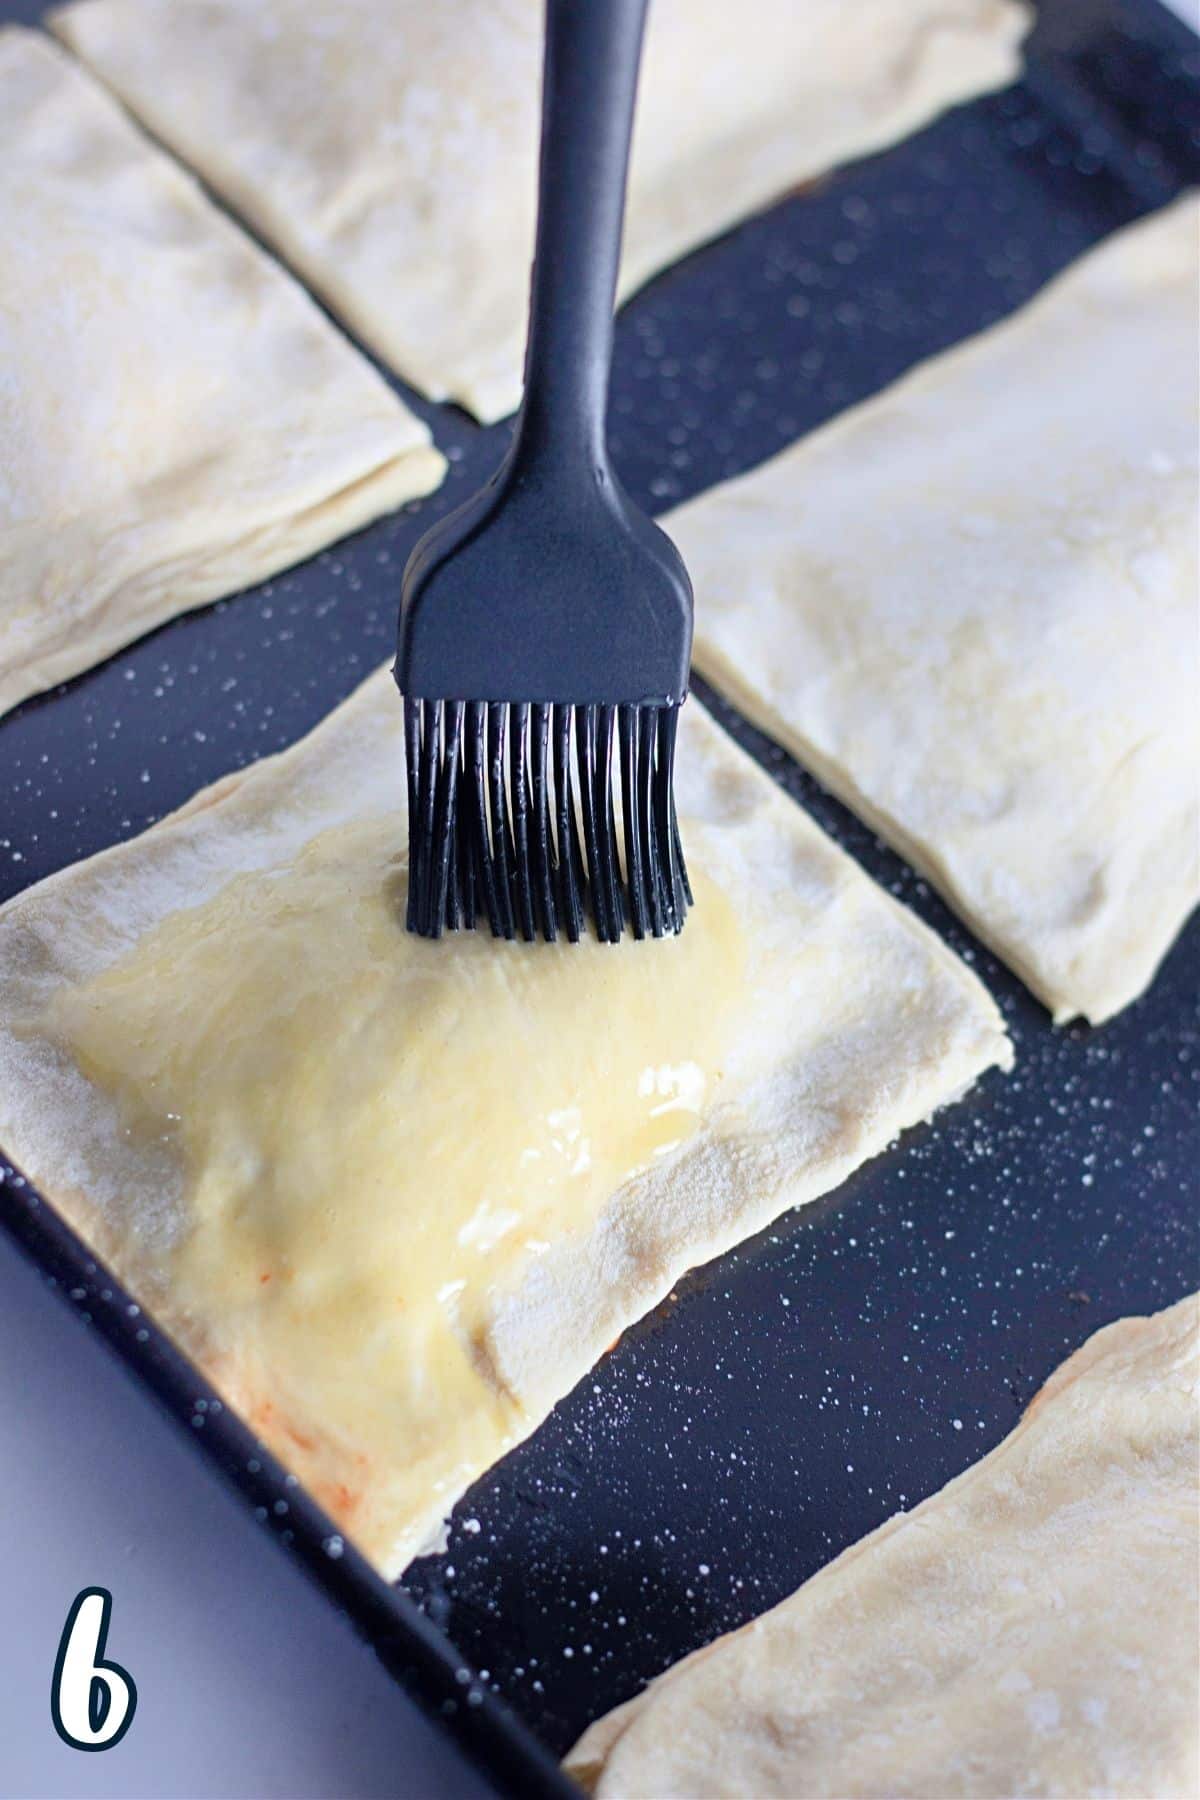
1031	1629
395	1197
389	153
969	605
177	418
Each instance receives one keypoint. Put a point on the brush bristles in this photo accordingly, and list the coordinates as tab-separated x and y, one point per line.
512	820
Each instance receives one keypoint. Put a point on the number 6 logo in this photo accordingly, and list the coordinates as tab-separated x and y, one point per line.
92	1702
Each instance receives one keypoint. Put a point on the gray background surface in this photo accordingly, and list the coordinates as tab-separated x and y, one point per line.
249	1684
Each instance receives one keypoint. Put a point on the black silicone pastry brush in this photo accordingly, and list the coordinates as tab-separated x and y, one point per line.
546	625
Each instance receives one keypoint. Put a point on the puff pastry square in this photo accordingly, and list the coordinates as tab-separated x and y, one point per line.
1032	1629
970	606
397	1197
177	419
388	152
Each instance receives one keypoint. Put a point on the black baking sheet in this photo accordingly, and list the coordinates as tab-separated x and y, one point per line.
850	1360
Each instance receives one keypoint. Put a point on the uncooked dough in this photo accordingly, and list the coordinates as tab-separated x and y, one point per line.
1031	1630
970	606
389	152
177	420
397	1197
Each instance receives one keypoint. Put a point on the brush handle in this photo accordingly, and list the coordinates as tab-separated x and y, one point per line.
589	83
